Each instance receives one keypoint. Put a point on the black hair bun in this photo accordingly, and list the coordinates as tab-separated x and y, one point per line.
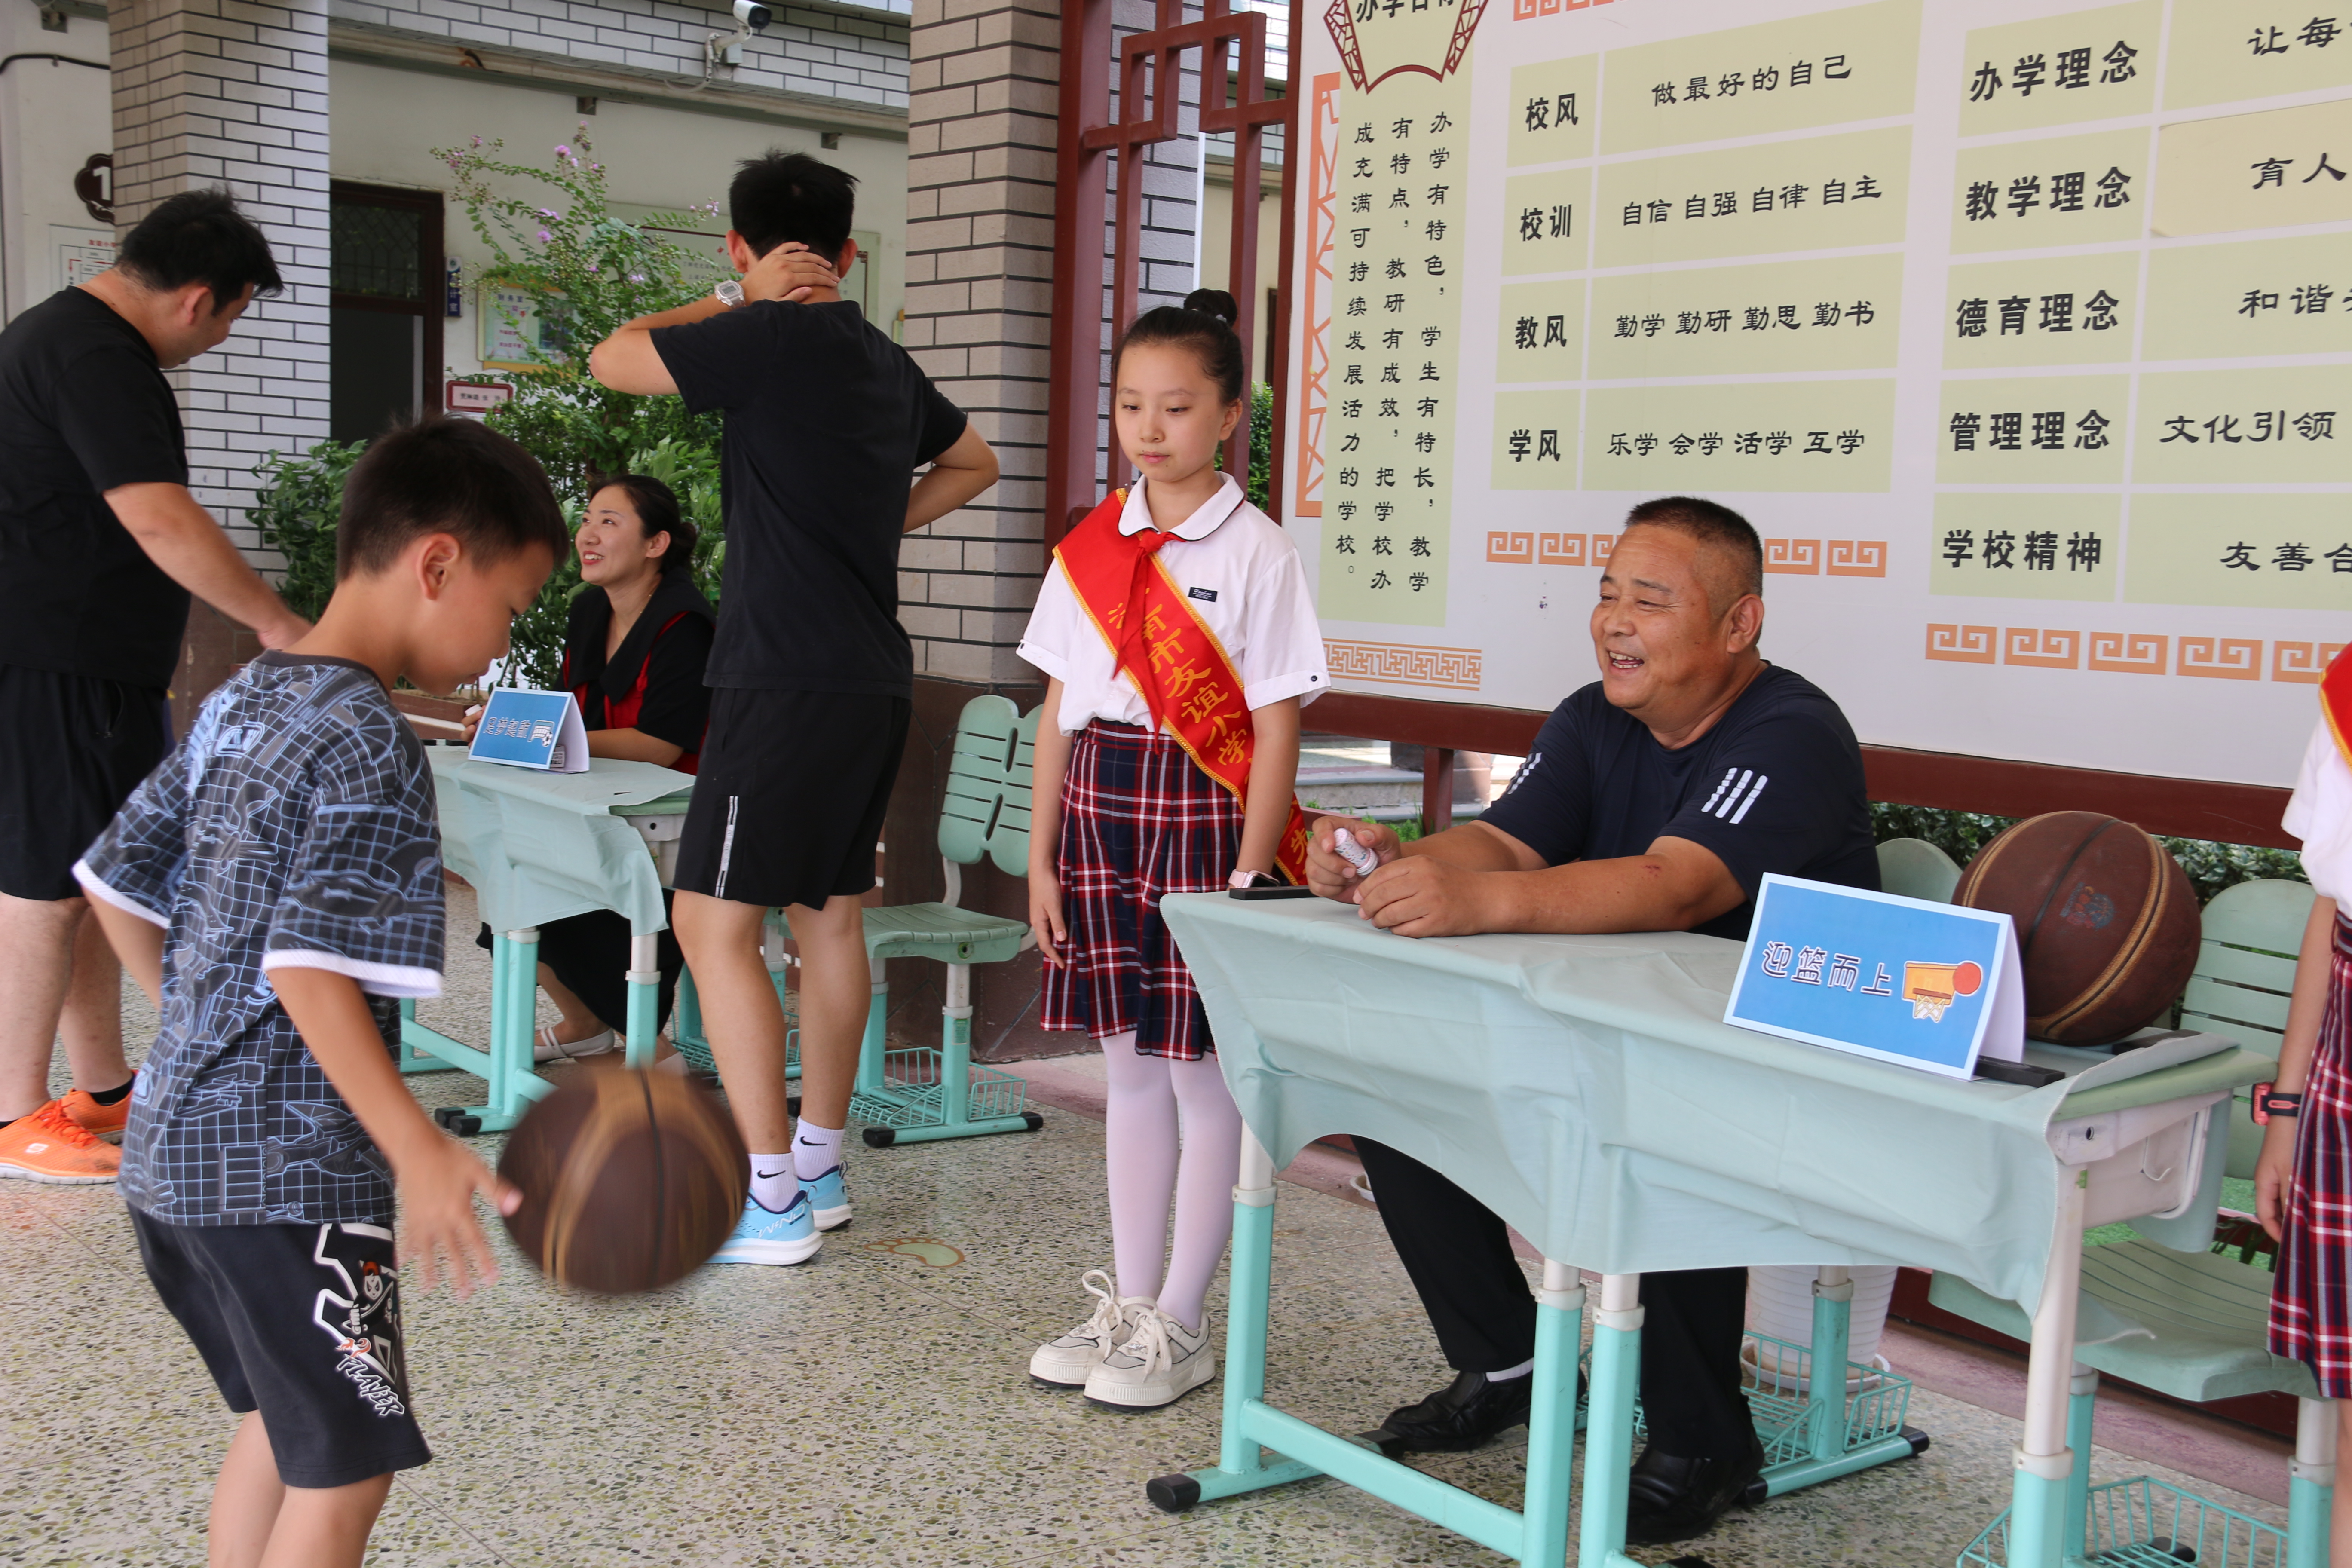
1214	302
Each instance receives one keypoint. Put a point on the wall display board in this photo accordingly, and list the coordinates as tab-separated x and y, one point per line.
2021	330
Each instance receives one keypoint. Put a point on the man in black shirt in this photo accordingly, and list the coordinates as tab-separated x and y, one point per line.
1655	799
101	547
827	421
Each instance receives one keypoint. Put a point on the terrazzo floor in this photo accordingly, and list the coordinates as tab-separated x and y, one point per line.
869	1407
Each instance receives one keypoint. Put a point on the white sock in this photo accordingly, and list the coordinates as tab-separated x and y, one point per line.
1509	1373
815	1150
773	1185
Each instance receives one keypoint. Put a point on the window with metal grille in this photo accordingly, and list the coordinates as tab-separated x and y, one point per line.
376	252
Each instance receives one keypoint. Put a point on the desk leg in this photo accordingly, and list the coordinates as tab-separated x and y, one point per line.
2044	1464
411	1059
1609	1421
1832	1320
1551	1418
645	996
1241	1467
2081	1406
2311	1485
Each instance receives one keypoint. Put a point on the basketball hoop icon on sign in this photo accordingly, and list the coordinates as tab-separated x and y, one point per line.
1931	988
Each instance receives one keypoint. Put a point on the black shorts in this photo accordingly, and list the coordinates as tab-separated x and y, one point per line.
790	795
72	748
302	1324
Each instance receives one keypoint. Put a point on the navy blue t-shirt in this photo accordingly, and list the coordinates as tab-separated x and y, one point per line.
1776	785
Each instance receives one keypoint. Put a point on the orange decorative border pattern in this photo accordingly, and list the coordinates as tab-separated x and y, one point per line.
1405	663
2129	653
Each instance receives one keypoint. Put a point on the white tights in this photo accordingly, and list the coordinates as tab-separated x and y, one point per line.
1150	1162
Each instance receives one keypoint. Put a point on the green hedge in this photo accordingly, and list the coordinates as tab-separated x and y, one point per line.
2211	866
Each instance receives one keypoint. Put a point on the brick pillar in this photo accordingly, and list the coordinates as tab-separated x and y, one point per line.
234	92
979	239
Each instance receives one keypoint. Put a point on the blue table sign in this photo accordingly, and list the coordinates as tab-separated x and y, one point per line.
535	729
1924	984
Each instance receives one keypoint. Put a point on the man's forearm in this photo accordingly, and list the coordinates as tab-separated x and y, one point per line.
956	475
1635	892
700	309
1474	847
182	539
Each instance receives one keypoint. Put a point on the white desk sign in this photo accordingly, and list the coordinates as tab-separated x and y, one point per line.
535	729
1925	984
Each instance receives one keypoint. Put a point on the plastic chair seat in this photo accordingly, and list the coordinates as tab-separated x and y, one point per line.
941	932
2191	1325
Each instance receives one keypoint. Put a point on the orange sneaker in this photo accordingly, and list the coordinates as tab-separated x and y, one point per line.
50	1146
105	1121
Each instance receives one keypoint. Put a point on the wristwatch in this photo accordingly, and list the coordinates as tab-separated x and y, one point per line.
1241	879
729	292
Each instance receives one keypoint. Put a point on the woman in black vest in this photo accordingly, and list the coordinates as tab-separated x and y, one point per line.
633	660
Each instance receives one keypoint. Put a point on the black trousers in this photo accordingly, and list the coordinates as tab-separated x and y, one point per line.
590	954
1458	1252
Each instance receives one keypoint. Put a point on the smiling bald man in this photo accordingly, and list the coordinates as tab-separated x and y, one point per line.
1656	799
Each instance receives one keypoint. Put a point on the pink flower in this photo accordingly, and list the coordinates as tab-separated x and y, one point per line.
545	212
543	236
564	152
478	140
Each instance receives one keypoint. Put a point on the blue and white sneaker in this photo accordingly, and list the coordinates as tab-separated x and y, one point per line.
830	1198
763	1235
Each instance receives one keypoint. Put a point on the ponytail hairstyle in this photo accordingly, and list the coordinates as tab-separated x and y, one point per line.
657	513
1204	323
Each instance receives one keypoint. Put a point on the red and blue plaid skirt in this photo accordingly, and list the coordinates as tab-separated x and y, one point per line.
2311	1303
1138	820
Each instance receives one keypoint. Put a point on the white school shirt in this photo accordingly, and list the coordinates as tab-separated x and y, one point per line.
1240	574
2320	813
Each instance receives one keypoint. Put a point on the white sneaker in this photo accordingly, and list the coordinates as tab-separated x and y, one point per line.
548	1048
1159	1362
1070	1361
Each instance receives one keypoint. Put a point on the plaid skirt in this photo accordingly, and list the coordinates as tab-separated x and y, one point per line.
2311	1303
1138	820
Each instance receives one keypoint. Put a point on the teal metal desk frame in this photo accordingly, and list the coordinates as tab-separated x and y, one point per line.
2045	1524
1828	1446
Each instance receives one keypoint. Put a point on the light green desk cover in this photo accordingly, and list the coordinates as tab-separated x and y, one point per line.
1587	1090
539	847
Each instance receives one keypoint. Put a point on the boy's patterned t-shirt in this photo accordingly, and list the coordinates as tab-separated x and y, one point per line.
294	827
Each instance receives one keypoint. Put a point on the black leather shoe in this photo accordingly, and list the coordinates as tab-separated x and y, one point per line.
1464	1414
1674	1499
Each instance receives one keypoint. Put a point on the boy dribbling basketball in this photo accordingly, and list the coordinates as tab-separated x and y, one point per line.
275	886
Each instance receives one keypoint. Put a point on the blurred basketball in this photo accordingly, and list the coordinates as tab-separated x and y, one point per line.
630	1180
2106	923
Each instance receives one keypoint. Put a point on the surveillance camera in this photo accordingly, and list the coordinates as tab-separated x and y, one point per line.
753	17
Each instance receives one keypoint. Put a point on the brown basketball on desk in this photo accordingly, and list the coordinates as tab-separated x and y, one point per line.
630	1180
2106	923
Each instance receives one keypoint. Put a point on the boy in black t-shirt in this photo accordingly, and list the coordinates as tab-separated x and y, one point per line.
826	420
276	888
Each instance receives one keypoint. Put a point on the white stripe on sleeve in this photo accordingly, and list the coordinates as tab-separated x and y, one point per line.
376	979
98	888
1762	780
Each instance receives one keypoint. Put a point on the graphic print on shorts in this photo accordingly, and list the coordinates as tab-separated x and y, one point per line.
363	1318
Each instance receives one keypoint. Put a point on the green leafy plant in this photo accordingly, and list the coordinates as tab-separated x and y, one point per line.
1261	446
295	511
2210	867
551	234
557	241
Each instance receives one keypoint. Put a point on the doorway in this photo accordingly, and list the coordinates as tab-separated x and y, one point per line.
384	308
